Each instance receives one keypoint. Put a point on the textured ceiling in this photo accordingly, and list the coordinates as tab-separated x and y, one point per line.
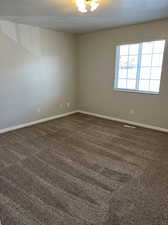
63	15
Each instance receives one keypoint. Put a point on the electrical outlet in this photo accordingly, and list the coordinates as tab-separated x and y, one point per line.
132	111
68	104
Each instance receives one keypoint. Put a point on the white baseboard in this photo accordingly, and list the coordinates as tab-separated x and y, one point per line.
84	112
125	121
35	122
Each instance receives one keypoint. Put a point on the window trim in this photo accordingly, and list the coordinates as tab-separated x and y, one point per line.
117	55
136	91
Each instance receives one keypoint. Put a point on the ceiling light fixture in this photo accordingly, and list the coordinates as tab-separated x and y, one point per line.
87	5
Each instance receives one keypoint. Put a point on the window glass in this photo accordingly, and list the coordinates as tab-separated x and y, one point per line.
139	66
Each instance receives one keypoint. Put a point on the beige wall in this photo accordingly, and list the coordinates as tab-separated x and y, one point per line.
96	70
37	71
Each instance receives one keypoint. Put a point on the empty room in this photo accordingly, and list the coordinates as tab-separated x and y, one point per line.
84	112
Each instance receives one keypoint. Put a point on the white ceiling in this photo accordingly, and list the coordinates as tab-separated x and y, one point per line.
63	15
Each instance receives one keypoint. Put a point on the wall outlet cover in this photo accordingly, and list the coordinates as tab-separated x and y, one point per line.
132	111
68	104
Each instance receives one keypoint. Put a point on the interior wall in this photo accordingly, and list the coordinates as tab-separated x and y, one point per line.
37	73
96	71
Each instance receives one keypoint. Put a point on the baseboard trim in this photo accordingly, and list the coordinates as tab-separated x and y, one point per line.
84	112
125	121
35	122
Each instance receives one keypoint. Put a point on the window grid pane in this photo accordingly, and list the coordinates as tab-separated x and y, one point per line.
139	66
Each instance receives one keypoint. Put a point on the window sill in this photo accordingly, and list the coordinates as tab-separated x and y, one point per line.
137	92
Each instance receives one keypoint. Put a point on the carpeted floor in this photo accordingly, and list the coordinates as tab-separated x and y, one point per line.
83	170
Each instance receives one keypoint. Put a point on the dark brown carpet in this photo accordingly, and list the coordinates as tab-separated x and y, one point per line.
83	170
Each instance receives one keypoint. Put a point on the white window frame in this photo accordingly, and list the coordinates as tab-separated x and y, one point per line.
117	58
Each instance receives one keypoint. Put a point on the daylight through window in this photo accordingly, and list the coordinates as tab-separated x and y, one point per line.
139	66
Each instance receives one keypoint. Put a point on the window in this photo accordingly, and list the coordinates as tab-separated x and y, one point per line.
139	66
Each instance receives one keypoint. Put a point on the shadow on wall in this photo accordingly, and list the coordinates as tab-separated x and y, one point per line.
26	36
